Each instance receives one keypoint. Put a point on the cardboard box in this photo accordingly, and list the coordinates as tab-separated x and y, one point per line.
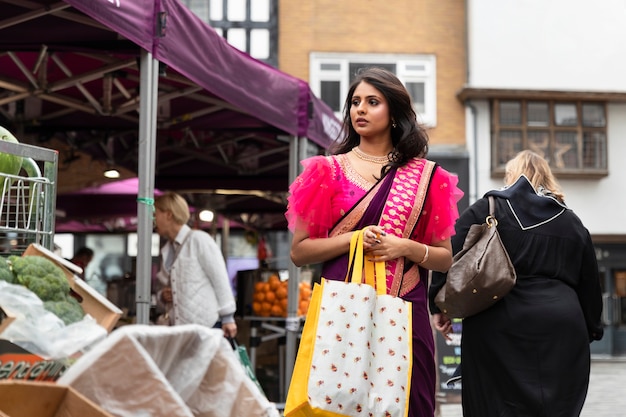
95	304
17	363
45	399
6	318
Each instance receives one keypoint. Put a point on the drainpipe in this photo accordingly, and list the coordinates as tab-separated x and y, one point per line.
474	153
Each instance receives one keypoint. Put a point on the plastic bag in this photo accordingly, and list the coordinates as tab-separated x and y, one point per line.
244	359
182	371
40	331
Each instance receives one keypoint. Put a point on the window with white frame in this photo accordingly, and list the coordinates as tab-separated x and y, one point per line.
332	73
571	134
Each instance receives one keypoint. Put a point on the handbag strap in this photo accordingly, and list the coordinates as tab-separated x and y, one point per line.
491	219
357	264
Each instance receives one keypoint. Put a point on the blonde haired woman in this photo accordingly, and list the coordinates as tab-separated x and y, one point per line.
536	170
528	355
195	284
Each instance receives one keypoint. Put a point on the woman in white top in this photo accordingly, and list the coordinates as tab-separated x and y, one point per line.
195	284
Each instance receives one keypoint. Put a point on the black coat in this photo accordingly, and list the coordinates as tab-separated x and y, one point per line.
529	355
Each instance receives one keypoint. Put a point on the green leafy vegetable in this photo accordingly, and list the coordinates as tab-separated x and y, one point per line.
9	164
5	271
41	276
48	281
69	310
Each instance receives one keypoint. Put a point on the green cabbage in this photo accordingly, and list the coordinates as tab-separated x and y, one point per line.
9	164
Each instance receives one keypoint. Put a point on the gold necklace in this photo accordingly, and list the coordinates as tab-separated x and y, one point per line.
370	158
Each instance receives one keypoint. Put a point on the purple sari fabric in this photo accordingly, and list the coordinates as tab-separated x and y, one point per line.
423	379
337	268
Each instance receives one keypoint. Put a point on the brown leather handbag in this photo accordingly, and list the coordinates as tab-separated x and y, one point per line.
481	273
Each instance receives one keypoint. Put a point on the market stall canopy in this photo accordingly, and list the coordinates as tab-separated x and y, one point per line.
112	208
69	79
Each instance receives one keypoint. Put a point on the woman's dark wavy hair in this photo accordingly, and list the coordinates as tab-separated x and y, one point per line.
409	138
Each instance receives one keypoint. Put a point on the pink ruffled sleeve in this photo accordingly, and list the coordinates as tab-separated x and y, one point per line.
441	206
309	203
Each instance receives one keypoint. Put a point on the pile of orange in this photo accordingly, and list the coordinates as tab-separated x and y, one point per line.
270	297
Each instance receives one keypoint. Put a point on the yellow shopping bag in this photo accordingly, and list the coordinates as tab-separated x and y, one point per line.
355	354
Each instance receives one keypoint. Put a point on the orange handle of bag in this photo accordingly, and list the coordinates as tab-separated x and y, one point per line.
374	270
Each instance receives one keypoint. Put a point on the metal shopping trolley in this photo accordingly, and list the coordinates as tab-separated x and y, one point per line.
28	200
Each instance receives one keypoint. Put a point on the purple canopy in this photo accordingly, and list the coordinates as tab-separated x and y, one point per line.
222	118
134	20
112	207
106	203
194	49
128	187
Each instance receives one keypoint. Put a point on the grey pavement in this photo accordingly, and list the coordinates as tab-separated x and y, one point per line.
606	397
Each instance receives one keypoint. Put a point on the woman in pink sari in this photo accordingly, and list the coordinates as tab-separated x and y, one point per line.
378	177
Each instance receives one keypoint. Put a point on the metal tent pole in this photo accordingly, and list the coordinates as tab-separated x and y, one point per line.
297	152
149	81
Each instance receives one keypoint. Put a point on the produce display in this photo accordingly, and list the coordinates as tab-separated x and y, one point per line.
5	272
14	164
44	278
9	164
270	297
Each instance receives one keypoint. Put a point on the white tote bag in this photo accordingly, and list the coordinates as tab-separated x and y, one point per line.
355	355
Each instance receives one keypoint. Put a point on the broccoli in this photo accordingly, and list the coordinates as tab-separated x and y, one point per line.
5	271
68	310
48	281
41	276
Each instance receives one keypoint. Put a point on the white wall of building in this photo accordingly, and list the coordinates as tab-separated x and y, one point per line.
547	45
559	45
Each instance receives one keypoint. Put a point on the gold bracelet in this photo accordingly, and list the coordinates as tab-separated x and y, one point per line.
425	258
